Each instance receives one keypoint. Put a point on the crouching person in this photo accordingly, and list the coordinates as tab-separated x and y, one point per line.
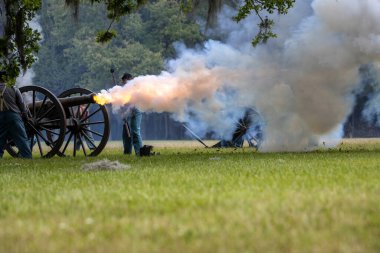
12	111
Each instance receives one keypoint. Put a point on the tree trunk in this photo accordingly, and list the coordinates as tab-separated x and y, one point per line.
3	18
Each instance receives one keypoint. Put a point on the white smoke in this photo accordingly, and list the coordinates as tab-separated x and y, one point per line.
302	83
25	78
370	79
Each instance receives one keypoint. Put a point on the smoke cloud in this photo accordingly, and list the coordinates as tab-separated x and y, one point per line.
369	77
302	83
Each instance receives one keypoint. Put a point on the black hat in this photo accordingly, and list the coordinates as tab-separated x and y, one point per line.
127	76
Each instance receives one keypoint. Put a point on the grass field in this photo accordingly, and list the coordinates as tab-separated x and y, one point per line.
192	199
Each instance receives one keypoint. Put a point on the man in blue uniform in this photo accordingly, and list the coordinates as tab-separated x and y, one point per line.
12	110
132	122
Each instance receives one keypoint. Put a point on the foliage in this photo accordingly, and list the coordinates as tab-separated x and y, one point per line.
19	43
258	7
145	39
281	7
165	24
105	36
116	9
195	200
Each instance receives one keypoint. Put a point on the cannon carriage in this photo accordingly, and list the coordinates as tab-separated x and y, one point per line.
63	125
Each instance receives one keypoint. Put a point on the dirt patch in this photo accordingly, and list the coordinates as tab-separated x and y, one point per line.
105	164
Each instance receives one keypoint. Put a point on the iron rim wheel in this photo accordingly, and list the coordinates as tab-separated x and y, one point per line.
82	128
46	118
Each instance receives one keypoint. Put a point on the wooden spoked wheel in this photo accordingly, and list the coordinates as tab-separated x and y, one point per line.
46	123
88	126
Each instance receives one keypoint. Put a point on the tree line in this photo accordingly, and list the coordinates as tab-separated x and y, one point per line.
79	45
69	55
19	41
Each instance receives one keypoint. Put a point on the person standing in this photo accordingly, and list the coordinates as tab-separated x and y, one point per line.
132	123
12	111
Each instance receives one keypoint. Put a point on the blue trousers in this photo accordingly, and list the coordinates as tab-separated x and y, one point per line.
133	136
12	127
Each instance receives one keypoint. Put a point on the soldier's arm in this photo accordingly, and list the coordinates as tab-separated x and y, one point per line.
20	103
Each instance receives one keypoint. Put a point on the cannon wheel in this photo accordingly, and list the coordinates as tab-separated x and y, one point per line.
248	128
49	119
79	130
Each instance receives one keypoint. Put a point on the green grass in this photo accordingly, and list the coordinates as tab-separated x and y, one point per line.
190	199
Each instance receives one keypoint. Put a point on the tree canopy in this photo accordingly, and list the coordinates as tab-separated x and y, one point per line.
19	42
259	7
69	54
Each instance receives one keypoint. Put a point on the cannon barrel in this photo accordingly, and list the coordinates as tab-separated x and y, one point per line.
79	100
67	101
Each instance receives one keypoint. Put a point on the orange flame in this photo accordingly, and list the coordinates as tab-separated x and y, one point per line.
106	98
100	100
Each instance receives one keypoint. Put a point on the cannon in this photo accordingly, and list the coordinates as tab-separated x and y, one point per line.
248	128
68	123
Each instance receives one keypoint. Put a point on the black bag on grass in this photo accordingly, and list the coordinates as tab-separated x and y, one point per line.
146	150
